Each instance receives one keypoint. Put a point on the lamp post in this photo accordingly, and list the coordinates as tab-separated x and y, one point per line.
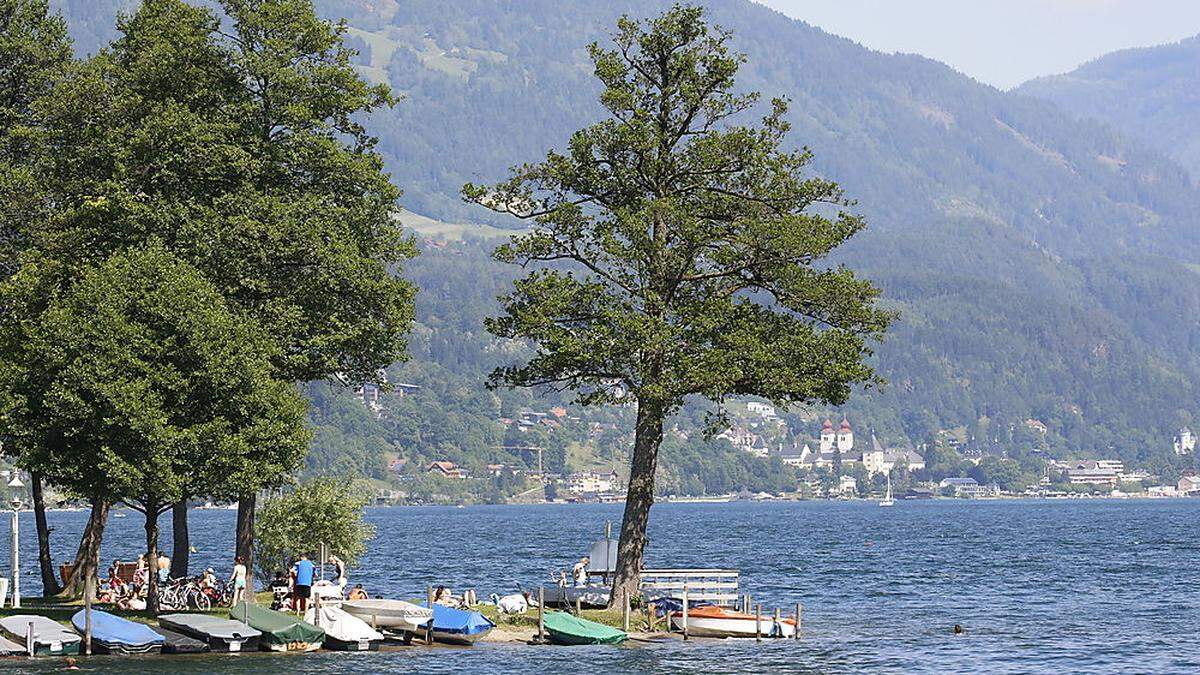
15	485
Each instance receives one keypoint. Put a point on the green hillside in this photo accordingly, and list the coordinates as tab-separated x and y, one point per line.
1044	266
1151	94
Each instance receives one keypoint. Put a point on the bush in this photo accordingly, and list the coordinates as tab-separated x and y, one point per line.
326	511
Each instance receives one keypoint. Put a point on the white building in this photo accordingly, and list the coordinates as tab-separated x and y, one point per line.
590	482
847	486
884	460
1188	485
1093	471
794	455
1185	441
763	410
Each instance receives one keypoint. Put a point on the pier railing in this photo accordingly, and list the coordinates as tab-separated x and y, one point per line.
719	587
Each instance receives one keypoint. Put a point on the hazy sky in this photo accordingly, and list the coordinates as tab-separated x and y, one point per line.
1002	42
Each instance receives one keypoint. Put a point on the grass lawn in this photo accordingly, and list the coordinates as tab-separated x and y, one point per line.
62	611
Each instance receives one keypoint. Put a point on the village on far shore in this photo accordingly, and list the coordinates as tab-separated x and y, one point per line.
835	462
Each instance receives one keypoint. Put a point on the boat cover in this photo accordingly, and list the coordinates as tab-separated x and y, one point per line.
114	630
568	629
209	626
382	609
10	648
45	631
459	622
276	626
340	625
178	643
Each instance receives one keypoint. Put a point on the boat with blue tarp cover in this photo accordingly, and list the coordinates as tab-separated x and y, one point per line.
112	634
459	627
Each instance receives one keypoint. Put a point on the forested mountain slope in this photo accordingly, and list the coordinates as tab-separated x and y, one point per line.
1043	266
1152	94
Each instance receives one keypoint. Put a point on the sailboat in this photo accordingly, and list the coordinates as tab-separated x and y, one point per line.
887	499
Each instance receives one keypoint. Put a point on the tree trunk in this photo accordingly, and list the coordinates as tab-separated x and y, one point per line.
648	437
152	559
50	585
87	558
181	548
244	546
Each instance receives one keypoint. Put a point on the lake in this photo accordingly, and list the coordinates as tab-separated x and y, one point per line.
1081	585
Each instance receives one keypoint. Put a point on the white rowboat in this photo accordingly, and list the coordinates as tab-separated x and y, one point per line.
392	614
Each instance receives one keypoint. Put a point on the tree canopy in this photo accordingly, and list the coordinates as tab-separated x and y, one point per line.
150	387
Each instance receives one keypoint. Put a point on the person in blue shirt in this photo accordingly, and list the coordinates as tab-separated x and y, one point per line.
304	579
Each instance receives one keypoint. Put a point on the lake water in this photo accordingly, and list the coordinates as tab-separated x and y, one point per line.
1077	586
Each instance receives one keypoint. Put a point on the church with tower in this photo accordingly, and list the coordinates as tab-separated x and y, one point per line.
841	438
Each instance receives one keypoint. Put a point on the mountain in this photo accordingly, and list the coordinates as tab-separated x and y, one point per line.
1152	94
1045	267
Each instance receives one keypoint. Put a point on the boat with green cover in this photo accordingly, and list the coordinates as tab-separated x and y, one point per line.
567	629
280	632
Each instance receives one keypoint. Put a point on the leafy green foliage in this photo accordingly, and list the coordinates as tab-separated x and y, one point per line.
148	388
694	254
34	53
243	153
326	511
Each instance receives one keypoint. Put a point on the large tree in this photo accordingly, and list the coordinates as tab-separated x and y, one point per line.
679	250
35	52
154	387
242	151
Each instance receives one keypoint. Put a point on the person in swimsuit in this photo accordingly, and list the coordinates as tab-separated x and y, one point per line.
238	579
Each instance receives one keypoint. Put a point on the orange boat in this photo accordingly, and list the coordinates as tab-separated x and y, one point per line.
721	622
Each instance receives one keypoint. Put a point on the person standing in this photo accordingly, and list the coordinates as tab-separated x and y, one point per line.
238	579
339	572
164	568
580	571
304	579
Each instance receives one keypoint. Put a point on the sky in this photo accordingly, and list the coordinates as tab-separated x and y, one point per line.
1002	42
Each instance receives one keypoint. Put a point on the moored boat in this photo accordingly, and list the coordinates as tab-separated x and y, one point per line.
112	634
720	622
396	615
49	636
344	631
459	627
178	643
220	634
567	629
280	632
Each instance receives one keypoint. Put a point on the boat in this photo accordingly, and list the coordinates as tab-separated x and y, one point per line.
220	634
280	632
721	622
396	615
178	643
568	629
887	499
458	626
49	636
112	634
343	631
